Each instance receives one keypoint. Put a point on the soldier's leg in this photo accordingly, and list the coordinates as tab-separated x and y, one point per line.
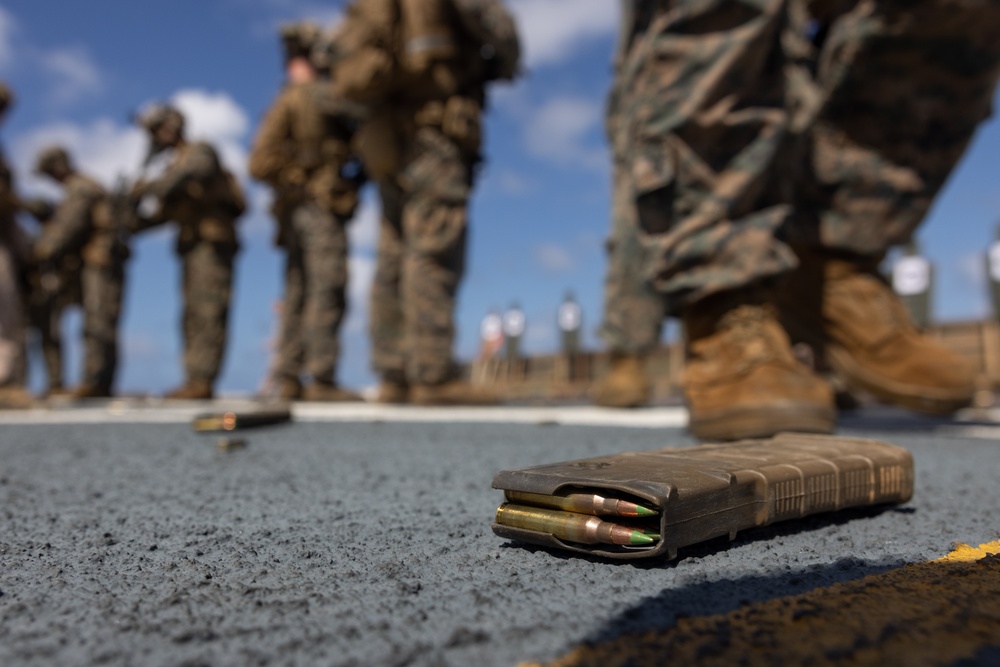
102	299
386	316
289	350
325	270
906	88
709	91
208	277
633	311
434	232
50	330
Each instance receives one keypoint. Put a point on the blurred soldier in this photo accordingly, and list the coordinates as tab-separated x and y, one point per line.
13	252
513	331
569	318
205	201
302	150
83	225
421	68
774	154
913	281
52	284
993	273
491	335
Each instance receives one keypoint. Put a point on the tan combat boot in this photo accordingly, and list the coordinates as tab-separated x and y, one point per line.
289	389
451	392
192	390
91	391
742	380
14	397
328	393
870	340
393	392
625	385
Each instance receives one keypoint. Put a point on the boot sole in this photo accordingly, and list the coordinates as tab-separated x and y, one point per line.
928	400
763	421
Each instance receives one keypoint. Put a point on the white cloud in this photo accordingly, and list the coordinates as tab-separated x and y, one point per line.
553	30
218	119
72	72
559	130
103	148
553	258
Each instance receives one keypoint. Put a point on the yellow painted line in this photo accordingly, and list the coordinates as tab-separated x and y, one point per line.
933	613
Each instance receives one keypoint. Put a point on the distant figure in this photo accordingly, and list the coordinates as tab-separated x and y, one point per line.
421	68
205	201
772	156
570	320
993	273
83	228
913	281
491	335
302	150
14	248
514	324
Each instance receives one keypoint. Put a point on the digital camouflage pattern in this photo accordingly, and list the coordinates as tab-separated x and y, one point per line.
81	232
421	259
12	255
201	197
750	128
301	149
424	160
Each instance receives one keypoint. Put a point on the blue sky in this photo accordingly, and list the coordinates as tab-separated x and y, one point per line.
539	216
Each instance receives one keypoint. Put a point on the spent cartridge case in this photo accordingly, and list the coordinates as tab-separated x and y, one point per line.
708	491
233	420
570	526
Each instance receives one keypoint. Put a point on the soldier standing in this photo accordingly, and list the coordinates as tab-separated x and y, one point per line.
302	150
205	201
774	156
421	68
13	252
83	225
52	284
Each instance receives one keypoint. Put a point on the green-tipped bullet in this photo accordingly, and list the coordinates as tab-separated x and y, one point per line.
571	526
584	503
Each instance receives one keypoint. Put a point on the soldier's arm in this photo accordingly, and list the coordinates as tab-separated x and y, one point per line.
68	228
270	156
198	163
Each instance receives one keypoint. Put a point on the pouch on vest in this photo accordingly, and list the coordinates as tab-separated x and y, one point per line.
379	144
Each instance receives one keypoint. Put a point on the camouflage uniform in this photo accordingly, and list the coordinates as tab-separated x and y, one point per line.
199	195
301	148
745	136
421	143
83	226
12	254
421	256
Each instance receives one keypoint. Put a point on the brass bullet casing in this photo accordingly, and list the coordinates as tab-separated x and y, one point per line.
569	526
584	503
231	421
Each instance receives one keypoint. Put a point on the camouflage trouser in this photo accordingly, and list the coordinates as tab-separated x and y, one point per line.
744	136
421	257
633	311
102	307
11	321
45	318
315	293
207	285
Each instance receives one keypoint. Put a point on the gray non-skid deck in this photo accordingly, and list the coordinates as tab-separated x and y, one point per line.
365	540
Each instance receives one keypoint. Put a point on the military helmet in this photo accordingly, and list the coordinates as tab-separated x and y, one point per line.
50	160
161	115
6	97
298	40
